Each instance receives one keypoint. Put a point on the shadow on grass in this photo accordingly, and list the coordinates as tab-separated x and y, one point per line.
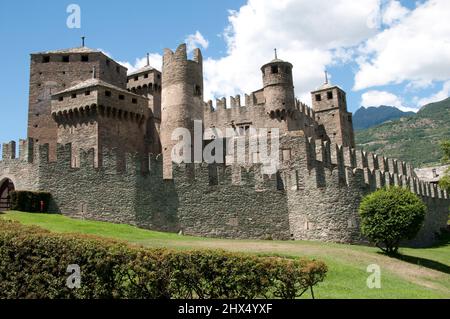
443	241
435	265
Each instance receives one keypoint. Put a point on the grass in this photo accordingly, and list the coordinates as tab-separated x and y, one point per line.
420	273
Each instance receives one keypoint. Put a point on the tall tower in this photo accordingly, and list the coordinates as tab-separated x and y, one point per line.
55	71
181	98
279	92
330	106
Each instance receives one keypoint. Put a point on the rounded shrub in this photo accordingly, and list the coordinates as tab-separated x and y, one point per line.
391	215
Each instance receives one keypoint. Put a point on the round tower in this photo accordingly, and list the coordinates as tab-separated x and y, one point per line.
278	88
181	98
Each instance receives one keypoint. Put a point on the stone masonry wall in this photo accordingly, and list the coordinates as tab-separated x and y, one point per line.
314	196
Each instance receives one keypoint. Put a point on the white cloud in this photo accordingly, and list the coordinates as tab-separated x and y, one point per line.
414	49
309	34
196	41
155	62
439	96
377	98
394	12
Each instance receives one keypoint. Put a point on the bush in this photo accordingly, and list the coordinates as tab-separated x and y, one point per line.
27	201
391	215
33	264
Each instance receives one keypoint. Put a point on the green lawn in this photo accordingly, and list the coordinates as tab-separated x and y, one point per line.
423	273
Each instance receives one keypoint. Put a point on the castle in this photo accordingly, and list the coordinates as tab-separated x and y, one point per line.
99	140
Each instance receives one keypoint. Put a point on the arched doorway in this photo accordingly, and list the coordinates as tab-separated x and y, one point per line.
6	187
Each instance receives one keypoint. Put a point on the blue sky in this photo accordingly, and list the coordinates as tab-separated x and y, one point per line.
369	49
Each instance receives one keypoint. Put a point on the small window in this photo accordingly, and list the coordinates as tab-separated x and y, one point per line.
274	69
145	76
121	97
128	80
197	90
108	62
330	95
63	72
280	183
65	58
134	101
136	78
46	59
61	98
35	125
108	93
85	58
159	76
318	98
87	93
349	118
117	69
74	96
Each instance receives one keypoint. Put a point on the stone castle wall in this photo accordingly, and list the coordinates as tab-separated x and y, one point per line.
314	195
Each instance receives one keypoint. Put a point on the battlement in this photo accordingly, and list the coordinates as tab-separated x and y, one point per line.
27	151
180	54
250	100
110	160
363	170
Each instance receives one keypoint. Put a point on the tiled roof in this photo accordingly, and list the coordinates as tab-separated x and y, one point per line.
92	83
141	70
71	50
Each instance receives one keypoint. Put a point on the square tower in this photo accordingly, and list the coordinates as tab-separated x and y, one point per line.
330	107
55	71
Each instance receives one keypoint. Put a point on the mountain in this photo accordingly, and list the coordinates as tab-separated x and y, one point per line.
371	116
414	138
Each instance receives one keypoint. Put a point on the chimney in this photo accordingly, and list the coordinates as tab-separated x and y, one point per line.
434	173
148	59
82	41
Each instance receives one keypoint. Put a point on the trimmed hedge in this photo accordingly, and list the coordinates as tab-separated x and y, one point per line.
27	201
33	264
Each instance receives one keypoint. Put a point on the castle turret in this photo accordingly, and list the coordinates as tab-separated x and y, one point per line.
330	106
278	90
181	98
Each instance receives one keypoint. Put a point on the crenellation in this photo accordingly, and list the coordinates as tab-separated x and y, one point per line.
221	104
64	155
361	159
9	150
26	150
235	101
380	179
392	164
369	179
87	159
349	157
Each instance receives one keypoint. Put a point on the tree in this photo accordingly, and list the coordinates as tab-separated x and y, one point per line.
391	215
444	182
